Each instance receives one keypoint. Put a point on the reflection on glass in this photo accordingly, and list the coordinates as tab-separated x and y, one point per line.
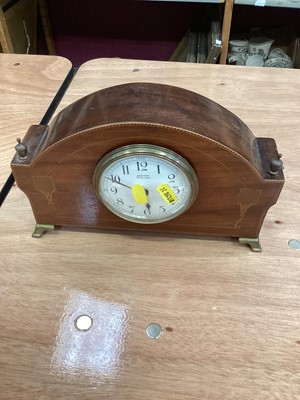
94	353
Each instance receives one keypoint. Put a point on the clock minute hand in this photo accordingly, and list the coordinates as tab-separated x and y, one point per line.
115	181
138	191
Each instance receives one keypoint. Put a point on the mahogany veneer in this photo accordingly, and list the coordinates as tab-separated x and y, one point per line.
235	186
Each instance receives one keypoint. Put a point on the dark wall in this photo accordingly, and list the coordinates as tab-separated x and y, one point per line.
128	29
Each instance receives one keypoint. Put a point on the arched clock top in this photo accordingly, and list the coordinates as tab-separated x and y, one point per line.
155	104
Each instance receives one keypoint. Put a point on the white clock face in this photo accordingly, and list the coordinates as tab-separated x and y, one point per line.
145	183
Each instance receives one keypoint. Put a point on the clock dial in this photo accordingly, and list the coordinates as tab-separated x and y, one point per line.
145	183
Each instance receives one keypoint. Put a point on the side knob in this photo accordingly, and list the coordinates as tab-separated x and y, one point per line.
276	165
21	149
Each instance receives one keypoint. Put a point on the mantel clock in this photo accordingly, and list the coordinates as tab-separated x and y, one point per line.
153	158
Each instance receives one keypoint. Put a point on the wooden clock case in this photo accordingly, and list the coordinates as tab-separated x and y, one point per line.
237	184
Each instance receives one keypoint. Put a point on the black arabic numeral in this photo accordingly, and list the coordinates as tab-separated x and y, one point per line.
171	177
125	169
115	178
142	166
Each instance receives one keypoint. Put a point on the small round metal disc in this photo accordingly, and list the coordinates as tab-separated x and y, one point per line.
83	323
154	331
294	244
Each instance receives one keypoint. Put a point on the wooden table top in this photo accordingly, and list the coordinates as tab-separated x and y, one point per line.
230	317
28	84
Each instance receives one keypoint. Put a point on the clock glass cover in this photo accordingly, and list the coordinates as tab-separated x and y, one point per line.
145	183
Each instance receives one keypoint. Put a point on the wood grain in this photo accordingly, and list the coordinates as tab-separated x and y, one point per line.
231	165
230	317
226	28
28	84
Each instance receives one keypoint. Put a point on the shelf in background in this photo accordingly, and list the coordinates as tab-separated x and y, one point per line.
270	3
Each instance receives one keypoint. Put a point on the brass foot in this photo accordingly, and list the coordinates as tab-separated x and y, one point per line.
253	242
40	229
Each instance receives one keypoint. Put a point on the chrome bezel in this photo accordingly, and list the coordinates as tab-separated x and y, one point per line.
146	150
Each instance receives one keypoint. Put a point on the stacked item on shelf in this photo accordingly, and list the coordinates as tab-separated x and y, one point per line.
256	53
200	47
276	47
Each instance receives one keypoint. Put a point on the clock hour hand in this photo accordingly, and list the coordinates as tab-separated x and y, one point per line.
147	205
140	195
138	191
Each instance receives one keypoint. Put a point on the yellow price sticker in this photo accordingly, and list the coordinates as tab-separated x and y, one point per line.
139	194
167	193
